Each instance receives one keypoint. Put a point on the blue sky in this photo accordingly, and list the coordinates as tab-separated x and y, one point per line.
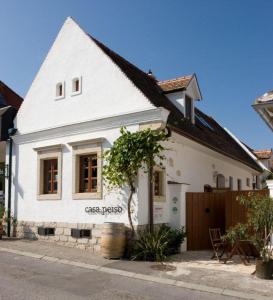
227	43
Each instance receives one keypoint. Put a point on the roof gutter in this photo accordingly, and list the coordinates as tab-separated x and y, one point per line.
250	154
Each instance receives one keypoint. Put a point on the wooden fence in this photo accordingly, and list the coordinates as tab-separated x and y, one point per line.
213	210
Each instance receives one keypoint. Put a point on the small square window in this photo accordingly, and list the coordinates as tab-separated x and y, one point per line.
60	90
76	86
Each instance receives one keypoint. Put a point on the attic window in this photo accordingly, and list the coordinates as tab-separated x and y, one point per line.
60	90
76	86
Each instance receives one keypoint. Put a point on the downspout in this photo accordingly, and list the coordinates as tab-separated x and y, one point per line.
11	132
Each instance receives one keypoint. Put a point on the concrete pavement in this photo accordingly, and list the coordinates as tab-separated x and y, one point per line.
217	282
30	278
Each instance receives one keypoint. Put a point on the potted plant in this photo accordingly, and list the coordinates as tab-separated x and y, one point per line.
236	233
260	222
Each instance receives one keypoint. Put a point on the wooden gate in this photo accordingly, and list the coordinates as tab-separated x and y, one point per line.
212	210
203	211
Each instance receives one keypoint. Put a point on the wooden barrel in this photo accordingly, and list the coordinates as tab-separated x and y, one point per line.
113	240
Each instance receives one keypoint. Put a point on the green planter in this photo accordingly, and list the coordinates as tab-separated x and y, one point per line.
264	269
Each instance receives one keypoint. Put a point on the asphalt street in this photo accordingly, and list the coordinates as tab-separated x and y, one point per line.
28	278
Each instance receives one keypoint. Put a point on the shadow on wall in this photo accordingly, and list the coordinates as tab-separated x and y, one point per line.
18	190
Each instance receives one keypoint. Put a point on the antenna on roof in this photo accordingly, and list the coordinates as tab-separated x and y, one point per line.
150	74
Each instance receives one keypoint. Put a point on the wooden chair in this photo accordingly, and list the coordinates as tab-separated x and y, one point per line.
218	245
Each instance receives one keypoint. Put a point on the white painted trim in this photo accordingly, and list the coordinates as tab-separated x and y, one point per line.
131	118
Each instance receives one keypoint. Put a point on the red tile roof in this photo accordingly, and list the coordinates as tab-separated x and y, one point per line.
206	130
179	83
263	154
9	97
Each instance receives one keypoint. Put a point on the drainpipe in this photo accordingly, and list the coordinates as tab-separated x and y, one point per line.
11	132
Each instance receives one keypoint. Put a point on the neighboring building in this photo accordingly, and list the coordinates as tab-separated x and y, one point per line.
264	107
266	157
9	105
83	93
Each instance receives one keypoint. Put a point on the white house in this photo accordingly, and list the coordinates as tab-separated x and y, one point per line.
83	93
264	107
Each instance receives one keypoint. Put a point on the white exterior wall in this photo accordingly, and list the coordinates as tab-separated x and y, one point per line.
26	202
193	165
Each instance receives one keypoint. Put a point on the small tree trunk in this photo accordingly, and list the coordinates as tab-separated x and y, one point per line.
151	204
132	190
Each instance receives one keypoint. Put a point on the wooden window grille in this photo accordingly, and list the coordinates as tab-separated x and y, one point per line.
88	173
50	176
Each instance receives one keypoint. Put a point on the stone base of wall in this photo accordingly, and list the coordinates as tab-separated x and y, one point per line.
29	230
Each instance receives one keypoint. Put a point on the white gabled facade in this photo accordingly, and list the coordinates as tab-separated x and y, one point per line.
49	123
106	91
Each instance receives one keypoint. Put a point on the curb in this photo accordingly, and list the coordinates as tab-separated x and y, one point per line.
150	278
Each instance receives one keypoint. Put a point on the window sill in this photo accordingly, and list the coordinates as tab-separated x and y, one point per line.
86	196
76	93
59	98
49	197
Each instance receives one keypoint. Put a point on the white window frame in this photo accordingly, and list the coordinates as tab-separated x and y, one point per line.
160	198
75	93
79	149
231	183
239	184
44	153
248	183
59	97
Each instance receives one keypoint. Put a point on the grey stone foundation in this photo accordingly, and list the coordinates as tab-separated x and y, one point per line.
62	236
29	230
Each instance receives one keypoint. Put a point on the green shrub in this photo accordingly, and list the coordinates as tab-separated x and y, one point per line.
151	246
175	238
236	233
156	246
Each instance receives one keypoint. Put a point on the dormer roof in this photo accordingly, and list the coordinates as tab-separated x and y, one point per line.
176	84
181	83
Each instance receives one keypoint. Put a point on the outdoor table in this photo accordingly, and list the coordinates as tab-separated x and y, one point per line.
245	249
